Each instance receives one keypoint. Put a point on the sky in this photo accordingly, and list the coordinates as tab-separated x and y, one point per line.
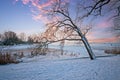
18	17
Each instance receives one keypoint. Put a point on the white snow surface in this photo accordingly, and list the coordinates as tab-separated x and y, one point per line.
41	68
65	67
18	47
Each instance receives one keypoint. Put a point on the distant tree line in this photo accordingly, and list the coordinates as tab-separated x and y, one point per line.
11	38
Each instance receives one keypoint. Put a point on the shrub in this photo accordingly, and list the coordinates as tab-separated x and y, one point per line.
7	58
40	49
113	51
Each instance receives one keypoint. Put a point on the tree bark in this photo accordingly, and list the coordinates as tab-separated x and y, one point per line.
86	43
88	47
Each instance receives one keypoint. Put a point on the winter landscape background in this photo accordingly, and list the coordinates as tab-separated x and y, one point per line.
59	39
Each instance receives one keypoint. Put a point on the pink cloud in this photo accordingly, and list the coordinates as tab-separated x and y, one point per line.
40	17
104	24
92	38
40	8
111	39
15	1
25	1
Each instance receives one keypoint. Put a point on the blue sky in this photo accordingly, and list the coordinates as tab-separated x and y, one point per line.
18	18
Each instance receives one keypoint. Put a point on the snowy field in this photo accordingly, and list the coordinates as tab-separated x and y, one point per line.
106	68
52	67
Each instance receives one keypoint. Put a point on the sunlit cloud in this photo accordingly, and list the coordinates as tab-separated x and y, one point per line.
90	35
104	24
102	40
40	8
102	37
25	1
40	18
15	1
100	32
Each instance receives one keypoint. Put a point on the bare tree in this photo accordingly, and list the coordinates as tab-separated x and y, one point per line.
22	36
10	38
67	19
63	23
68	25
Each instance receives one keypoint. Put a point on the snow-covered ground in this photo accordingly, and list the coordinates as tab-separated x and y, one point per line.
18	47
64	67
104	68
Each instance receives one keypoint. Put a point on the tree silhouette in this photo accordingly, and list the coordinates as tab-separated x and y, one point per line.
10	38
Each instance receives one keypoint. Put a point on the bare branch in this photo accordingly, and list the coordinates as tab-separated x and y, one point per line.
96	7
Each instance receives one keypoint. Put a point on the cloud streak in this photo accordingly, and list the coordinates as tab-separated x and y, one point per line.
41	8
102	40
104	24
25	1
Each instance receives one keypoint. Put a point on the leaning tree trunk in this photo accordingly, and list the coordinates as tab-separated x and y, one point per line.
88	47
85	42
